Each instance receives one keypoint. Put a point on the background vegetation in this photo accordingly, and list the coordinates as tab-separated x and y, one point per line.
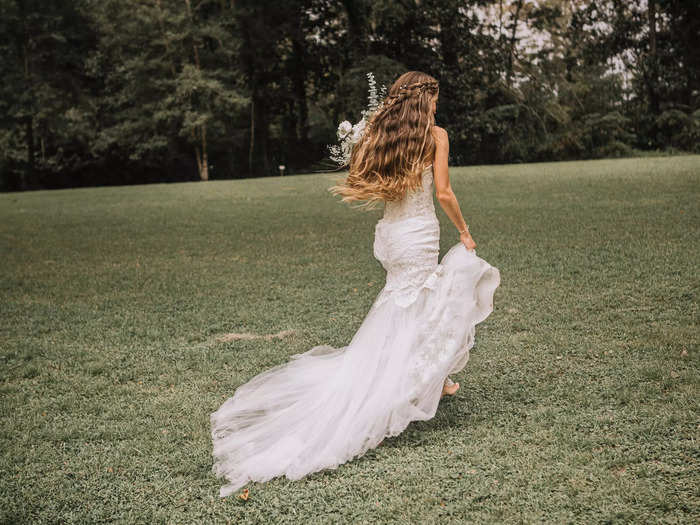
128	91
579	404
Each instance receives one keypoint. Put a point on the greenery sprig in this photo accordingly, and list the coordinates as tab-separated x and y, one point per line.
349	134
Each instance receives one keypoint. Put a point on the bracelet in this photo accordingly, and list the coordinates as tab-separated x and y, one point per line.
465	230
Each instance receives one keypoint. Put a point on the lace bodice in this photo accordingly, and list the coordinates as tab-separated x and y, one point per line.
415	203
407	242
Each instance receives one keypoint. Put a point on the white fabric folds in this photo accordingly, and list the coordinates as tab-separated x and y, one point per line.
329	405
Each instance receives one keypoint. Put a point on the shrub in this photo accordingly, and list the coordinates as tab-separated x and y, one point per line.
607	133
674	128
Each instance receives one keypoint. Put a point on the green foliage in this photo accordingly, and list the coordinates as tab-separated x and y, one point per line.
169	60
45	120
352	86
121	91
678	130
603	133
500	127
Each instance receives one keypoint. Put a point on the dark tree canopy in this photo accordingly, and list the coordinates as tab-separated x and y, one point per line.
129	91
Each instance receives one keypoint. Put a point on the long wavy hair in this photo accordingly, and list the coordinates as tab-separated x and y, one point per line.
388	160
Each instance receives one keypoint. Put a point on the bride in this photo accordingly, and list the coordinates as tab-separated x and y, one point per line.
329	405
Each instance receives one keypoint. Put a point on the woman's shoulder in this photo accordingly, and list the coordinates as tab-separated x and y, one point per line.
439	134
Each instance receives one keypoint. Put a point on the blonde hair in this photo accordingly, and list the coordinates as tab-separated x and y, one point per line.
387	161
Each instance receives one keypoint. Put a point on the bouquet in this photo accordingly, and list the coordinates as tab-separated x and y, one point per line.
350	134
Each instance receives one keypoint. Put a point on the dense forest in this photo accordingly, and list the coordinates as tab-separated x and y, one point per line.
130	91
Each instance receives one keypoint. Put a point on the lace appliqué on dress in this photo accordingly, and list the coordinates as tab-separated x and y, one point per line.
416	203
442	338
406	242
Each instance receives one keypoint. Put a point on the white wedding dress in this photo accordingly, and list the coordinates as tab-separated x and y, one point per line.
329	405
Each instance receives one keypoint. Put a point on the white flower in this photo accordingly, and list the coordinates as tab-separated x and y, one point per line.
357	131
349	135
344	128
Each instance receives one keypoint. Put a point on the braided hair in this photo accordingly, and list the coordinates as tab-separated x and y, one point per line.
411	90
388	160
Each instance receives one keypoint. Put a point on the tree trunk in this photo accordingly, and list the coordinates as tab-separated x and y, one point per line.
290	135
31	163
28	174
652	80
448	37
251	149
299	79
260	160
356	11
511	47
204	171
203	161
201	154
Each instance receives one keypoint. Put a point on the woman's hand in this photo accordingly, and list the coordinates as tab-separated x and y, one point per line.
466	238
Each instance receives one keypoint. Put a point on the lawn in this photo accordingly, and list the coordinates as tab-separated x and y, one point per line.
120	307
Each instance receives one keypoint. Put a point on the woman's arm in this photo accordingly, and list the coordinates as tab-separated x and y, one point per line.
443	190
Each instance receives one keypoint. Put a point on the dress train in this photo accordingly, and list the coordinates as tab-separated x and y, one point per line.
329	405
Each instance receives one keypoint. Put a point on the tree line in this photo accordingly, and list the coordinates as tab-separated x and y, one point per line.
129	91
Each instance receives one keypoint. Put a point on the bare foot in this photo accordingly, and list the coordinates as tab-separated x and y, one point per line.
449	390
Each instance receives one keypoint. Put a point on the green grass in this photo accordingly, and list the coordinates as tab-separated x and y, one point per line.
579	404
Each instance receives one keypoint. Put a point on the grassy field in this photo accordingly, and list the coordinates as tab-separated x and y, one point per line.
579	404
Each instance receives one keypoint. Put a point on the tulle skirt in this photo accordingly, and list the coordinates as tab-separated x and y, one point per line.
329	405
